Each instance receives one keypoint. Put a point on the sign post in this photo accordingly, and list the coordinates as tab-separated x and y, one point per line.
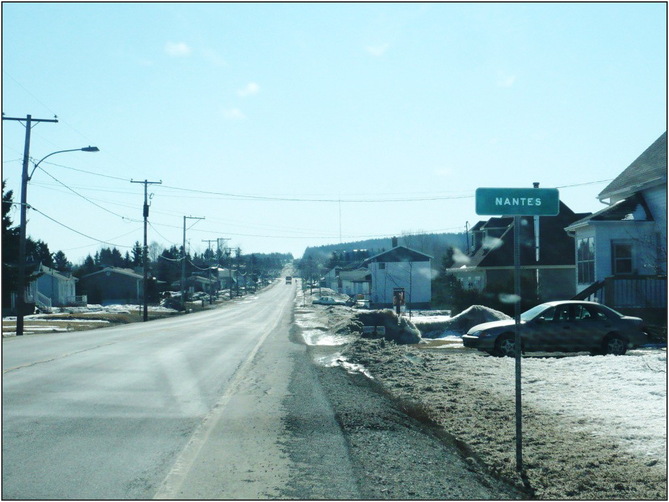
517	202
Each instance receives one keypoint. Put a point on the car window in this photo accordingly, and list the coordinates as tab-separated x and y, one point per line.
547	315
582	314
593	313
562	313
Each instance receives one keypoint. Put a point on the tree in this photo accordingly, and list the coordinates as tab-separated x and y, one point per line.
137	255
61	262
38	252
10	249
88	267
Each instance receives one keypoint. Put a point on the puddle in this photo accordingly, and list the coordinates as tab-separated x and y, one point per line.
322	338
449	342
335	359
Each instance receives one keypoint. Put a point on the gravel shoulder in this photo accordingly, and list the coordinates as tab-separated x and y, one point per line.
563	458
398	456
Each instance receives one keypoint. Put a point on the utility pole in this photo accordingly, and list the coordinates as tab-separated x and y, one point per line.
209	241
183	263
21	286
220	252
146	246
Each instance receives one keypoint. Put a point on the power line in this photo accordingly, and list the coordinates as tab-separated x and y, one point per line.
88	172
305	199
77	231
87	199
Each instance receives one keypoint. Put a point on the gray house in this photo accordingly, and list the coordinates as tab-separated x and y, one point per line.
113	285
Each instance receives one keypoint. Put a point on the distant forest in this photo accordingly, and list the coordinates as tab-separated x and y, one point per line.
435	245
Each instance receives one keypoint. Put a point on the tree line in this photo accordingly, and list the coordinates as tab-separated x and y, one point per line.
165	264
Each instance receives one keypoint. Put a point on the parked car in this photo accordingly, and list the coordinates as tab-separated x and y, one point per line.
561	326
326	300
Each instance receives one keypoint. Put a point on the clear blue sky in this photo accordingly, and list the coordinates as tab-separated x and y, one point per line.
262	117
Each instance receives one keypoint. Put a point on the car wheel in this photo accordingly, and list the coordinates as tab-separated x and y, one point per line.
615	345
505	346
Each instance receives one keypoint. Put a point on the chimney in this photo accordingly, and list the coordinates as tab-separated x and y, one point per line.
394	241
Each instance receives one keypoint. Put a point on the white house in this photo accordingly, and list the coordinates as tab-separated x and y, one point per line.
400	268
356	282
621	250
53	288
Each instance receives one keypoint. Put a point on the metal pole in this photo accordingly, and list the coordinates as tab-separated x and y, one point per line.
519	417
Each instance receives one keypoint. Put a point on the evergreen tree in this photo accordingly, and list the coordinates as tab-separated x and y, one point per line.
61	263
137	255
38	252
10	249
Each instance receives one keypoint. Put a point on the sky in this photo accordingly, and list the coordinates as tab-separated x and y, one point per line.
288	125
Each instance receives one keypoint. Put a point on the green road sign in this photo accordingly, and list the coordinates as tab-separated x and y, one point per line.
517	201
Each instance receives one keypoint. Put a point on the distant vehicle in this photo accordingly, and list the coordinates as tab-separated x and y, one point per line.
561	326
289	279
329	300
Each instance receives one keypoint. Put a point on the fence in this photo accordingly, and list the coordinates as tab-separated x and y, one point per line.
635	292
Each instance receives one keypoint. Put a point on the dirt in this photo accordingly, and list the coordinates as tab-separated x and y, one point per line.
455	391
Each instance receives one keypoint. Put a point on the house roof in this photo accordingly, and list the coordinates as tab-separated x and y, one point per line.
359	275
56	274
116	270
633	208
649	169
556	247
398	254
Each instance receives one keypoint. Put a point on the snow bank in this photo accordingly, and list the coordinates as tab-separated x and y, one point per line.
461	323
397	329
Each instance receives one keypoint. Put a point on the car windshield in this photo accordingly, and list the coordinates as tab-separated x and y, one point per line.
528	315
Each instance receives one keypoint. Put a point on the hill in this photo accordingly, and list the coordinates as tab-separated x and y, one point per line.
434	245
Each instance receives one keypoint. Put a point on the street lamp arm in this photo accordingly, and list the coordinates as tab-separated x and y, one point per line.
84	149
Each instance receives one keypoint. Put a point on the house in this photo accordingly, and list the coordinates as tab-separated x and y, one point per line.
400	268
331	279
356	282
547	263
621	250
56	289
52	288
113	285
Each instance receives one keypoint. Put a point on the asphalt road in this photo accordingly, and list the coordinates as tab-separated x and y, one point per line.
124	412
222	404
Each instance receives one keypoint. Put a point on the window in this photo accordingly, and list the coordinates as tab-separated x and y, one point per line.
562	313
585	260
621	256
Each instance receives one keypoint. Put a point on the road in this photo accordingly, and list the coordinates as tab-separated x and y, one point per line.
222	404
126	412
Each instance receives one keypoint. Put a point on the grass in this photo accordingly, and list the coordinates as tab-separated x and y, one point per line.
81	321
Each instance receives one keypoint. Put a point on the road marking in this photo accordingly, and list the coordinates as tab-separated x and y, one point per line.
174	480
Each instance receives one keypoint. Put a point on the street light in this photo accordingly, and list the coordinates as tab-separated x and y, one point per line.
20	304
84	149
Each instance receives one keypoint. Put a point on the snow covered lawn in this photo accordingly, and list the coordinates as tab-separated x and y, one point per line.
594	427
81	318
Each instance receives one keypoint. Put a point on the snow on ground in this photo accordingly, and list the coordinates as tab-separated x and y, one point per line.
617	401
622	398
